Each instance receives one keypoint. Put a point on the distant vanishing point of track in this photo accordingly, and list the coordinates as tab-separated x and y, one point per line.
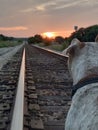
42	80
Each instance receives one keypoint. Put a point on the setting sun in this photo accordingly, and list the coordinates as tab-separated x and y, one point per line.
49	34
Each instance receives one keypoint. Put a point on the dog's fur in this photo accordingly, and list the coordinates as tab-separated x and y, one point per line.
83	63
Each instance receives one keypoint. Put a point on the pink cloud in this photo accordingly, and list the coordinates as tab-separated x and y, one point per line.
16	28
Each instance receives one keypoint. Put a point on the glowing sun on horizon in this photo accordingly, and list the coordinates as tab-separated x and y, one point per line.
49	34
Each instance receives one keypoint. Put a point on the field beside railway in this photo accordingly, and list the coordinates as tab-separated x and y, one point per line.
55	47
9	43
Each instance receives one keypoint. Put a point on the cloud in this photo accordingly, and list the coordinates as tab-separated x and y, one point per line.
17	28
74	3
44	6
46	15
26	10
50	6
47	7
39	7
63	33
67	4
91	3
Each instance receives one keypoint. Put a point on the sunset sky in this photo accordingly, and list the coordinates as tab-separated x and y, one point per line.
24	18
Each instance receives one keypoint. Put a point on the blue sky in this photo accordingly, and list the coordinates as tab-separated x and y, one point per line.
22	18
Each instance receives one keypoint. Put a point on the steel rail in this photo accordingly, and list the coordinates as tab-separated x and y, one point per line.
51	51
17	118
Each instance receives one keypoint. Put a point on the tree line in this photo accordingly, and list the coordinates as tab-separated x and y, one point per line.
5	38
47	41
83	34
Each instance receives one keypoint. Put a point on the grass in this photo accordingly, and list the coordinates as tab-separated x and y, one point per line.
55	47
9	43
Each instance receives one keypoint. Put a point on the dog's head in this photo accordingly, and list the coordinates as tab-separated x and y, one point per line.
82	57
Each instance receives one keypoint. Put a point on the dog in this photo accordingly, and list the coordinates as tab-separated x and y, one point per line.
83	66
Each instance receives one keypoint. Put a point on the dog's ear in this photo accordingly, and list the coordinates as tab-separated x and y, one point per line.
75	44
96	39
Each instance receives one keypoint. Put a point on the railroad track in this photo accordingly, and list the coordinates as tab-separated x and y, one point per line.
43	93
48	90
8	87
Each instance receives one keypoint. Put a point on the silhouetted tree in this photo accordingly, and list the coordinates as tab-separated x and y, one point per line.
59	39
5	38
85	34
36	39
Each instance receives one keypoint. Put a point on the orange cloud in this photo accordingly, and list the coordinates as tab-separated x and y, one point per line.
63	33
17	28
